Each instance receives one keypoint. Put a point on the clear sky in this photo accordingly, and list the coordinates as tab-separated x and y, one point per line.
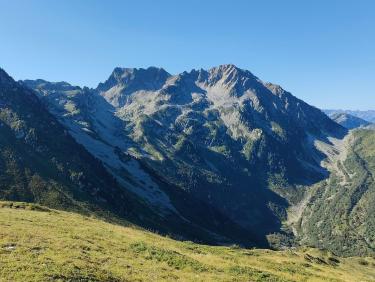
322	51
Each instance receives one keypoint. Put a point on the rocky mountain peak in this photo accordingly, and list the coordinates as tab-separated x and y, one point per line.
230	76
151	77
5	79
229	71
225	68
124	81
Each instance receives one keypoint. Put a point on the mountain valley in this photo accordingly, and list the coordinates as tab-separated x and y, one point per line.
213	156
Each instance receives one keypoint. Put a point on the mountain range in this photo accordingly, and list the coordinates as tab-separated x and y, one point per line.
216	156
348	121
43	162
368	115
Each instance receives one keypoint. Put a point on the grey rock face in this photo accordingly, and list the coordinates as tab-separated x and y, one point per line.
124	81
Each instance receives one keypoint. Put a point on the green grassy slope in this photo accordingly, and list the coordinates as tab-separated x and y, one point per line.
40	244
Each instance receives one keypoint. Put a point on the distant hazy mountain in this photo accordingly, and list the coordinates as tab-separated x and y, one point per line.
365	115
348	121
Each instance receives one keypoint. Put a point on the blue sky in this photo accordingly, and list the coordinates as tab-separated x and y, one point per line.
322	51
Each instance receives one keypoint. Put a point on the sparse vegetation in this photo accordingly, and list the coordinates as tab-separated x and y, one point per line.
41	244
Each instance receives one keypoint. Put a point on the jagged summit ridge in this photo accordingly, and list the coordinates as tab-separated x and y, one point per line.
127	76
124	81
230	74
224	80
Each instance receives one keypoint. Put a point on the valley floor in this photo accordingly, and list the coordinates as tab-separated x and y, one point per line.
40	244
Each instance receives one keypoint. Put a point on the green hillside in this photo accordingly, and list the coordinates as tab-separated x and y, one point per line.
340	215
40	244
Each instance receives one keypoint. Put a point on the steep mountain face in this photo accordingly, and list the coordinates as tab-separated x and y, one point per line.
222	136
227	137
365	115
348	121
41	162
